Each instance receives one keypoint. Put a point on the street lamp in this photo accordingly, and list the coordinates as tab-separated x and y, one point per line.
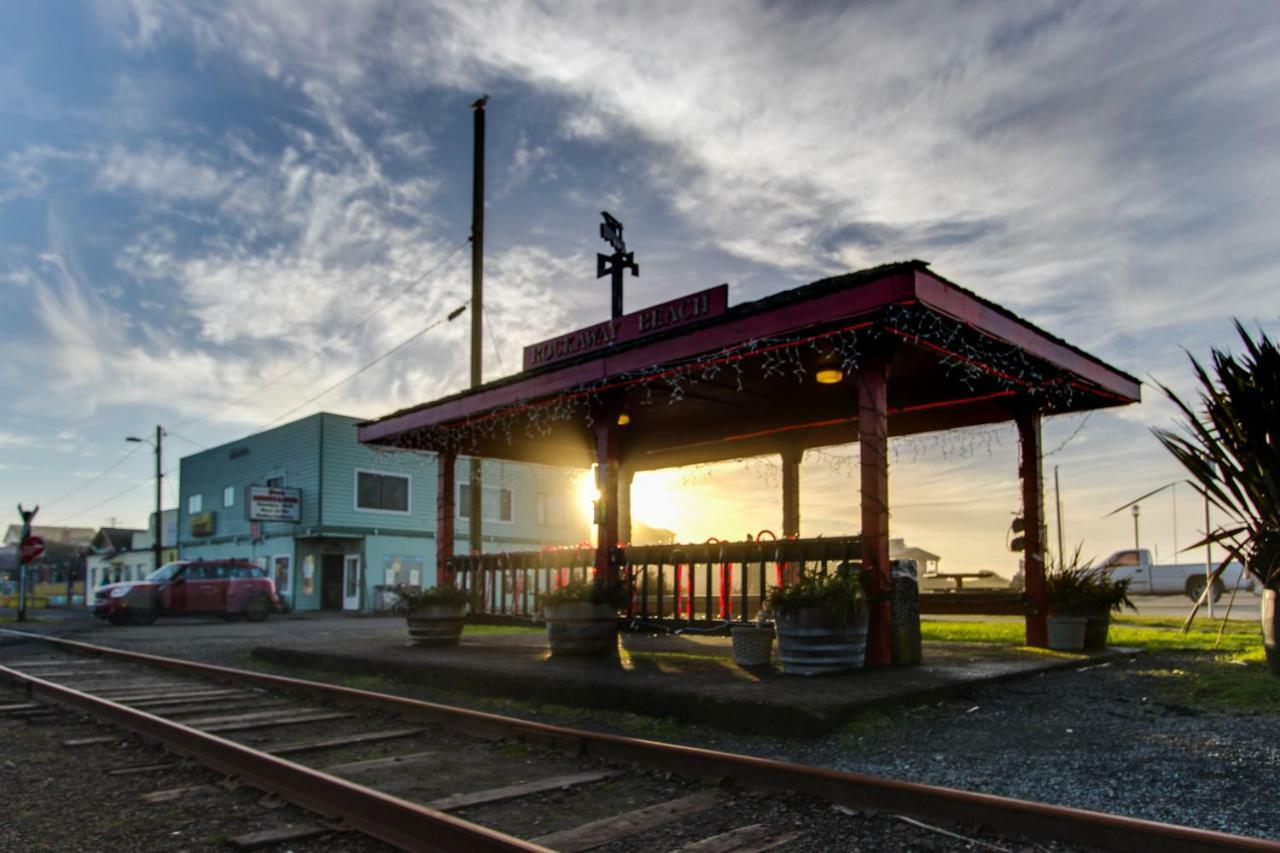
1135	527
157	540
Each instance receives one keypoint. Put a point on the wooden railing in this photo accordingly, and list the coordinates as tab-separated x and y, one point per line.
706	583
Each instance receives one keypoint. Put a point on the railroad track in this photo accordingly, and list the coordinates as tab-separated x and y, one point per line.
425	776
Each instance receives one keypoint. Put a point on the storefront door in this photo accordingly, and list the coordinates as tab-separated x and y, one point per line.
351	583
331	581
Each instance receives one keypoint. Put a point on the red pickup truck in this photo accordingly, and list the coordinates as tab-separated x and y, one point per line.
232	589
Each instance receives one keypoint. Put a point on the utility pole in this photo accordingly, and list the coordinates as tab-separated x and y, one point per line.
1057	502
157	541
477	308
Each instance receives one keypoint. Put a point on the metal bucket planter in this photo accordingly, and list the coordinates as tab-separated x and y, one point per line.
1096	630
1067	633
752	645
808	644
579	628
437	625
1270	608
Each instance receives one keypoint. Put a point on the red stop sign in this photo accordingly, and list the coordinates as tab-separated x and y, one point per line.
32	548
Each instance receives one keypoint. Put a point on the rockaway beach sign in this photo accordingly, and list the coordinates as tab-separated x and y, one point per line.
659	318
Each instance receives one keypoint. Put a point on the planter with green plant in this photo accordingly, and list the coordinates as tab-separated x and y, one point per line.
582	618
1231	448
435	616
1082	591
821	622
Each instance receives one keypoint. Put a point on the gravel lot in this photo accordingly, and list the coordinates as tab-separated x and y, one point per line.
1101	738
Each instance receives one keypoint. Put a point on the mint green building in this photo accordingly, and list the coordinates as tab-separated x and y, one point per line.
365	518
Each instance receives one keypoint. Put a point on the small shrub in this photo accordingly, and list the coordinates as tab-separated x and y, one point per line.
1078	588
413	599
611	593
840	596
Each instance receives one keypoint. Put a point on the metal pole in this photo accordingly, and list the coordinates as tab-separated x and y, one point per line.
158	541
1057	503
27	516
1208	554
477	307
1136	546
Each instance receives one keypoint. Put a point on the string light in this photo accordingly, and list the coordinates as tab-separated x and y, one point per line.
967	357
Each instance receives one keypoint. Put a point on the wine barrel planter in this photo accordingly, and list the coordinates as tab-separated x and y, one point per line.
436	625
1067	633
580	628
1271	629
752	645
809	644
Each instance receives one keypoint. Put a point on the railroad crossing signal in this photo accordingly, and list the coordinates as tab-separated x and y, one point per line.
32	549
619	262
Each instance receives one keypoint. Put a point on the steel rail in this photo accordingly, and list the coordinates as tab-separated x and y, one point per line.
398	822
855	790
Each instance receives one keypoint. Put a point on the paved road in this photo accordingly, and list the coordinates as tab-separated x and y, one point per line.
1245	607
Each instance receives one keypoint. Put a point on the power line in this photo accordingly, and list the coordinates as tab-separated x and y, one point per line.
493	341
452	314
134	487
316	353
87	483
169	432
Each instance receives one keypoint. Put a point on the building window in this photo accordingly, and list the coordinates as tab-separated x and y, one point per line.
384	492
496	503
195	503
228	496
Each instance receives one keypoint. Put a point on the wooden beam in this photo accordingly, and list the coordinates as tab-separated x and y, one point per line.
608	442
625	477
791	491
873	435
1031	472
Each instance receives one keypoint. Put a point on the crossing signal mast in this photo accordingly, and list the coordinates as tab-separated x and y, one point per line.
618	263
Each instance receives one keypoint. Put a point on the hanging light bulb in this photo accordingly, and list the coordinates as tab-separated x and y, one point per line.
828	371
624	419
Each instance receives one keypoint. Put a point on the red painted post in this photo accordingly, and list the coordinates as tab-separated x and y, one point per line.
625	476
873	435
1031	471
446	461
607	464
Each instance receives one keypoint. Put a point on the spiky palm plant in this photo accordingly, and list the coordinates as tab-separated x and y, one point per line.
1231	448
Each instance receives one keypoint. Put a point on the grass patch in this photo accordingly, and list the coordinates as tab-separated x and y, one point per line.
1153	633
1239	684
499	630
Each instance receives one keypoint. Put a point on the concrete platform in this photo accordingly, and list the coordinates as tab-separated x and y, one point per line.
691	679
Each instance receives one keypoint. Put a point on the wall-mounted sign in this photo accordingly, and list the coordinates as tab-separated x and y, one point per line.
628	327
268	503
203	523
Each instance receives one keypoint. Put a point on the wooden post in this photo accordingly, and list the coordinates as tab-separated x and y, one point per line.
446	463
625	476
873	435
1030	470
791	491
607	457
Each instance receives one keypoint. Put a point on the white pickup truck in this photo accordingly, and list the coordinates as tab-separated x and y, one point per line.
1147	578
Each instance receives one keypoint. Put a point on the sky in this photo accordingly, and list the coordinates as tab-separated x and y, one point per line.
195	198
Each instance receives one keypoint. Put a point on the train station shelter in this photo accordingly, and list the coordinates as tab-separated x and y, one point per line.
895	350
